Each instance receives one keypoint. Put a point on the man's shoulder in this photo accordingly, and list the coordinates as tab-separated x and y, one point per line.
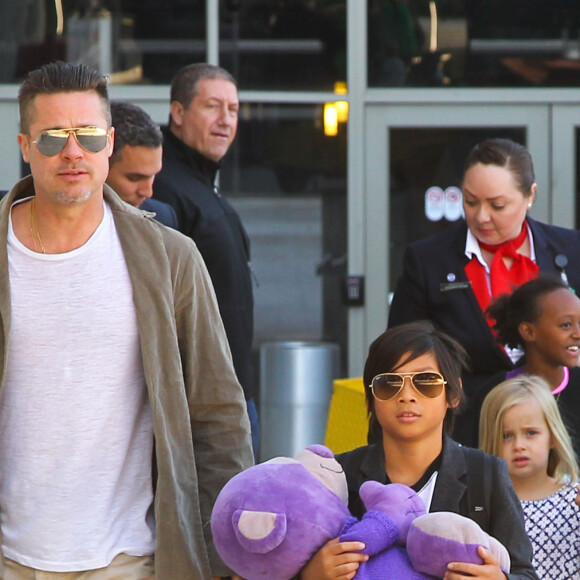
178	177
164	213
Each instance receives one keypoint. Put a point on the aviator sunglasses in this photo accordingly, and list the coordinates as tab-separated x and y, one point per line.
53	141
386	386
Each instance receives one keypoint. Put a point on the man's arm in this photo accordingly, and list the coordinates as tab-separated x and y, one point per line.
219	421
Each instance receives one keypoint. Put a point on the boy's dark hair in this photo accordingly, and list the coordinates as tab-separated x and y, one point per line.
60	77
133	127
505	153
510	310
413	340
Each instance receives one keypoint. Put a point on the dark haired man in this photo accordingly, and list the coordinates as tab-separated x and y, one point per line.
136	160
114	440
202	125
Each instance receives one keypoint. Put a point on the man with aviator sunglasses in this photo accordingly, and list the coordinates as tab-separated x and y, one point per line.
114	440
52	141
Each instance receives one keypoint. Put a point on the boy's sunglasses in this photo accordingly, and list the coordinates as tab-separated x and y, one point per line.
53	141
386	386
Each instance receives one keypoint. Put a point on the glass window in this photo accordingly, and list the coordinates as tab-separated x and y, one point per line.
290	45
135	41
475	43
267	45
158	36
288	182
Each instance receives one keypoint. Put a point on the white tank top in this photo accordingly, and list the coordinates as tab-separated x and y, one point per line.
76	437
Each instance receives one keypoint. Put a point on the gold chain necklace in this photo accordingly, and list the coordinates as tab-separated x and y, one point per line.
33	229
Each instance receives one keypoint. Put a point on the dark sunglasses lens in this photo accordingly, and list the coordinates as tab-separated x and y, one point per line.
92	143
385	387
429	384
50	145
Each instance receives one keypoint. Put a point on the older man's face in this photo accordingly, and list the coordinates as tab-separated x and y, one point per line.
210	122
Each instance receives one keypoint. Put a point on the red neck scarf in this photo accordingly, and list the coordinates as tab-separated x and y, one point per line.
502	279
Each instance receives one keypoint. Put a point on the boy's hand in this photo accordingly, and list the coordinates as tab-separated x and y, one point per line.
489	569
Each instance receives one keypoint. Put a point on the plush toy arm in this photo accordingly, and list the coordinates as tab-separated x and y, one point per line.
398	501
376	530
350	522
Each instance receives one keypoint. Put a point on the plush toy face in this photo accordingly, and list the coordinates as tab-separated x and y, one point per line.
269	520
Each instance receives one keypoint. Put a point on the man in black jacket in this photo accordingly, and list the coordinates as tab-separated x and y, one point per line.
202	125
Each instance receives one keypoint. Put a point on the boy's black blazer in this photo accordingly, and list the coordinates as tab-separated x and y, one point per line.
506	521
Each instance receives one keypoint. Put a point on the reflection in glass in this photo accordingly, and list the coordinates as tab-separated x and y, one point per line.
290	45
476	43
301	44
295	44
133	41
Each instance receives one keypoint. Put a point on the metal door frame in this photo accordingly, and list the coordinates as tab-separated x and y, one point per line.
379	119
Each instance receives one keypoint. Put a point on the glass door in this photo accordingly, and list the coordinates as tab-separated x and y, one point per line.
566	165
414	163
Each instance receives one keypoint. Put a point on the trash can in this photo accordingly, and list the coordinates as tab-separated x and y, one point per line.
295	389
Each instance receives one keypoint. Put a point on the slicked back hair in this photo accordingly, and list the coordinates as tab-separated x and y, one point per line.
509	154
60	77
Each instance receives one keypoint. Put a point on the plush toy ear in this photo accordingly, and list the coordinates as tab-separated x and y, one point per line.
259	532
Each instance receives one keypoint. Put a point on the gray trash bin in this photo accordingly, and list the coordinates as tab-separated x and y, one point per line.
295	390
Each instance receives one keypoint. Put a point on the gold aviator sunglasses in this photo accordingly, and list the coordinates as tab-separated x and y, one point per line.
428	384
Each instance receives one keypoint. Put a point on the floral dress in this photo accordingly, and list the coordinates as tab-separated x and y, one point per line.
553	526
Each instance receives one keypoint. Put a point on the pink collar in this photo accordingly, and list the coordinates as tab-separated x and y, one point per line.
564	382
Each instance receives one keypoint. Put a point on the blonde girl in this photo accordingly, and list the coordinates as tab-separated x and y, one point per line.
521	423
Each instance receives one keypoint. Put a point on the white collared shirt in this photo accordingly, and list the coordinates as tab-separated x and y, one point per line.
472	249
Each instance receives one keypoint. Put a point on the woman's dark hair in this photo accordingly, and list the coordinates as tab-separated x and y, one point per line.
522	305
413	340
505	153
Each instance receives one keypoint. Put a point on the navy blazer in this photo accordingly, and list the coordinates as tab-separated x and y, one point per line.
434	286
506	522
164	213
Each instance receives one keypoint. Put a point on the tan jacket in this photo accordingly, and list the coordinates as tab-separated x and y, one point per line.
200	424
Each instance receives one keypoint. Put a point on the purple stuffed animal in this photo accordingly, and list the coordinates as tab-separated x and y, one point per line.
269	520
